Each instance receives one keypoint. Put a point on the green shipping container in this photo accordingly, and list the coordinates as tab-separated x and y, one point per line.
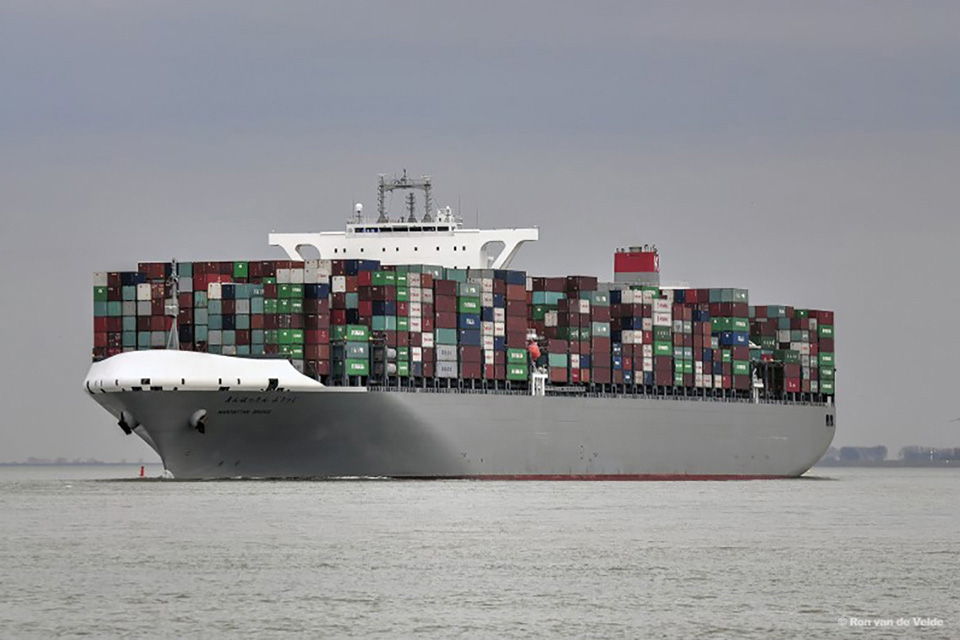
403	324
383	278
403	294
516	356
825	359
826	373
516	372
445	336
678	378
100	294
741	368
357	350
356	367
826	386
825	330
357	332
338	332
726	355
383	323
240	270
403	369
557	360
468	305
471	289
662	348
662	333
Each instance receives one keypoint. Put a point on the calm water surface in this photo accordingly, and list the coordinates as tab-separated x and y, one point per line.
82	554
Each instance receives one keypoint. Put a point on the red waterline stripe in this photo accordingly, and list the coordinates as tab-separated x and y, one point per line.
631	477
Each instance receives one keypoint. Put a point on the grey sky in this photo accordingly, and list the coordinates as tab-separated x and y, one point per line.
807	151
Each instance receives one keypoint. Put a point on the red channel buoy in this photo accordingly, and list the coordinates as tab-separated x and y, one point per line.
141	471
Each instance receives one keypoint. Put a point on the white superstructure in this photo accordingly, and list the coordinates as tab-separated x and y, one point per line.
436	238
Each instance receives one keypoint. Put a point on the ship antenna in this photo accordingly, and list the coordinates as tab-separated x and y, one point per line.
411	204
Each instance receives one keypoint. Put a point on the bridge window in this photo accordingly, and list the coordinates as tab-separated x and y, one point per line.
414	248
454	248
398	248
464	248
361	249
335	250
384	249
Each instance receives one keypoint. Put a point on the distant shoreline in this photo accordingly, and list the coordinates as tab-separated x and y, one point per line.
96	463
904	464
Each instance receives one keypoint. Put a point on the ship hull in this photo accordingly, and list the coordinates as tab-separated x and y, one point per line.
336	433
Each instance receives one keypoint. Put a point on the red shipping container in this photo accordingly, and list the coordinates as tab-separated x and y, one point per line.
575	376
243	336
791	385
403	339
516	292
584	376
558	374
427	324
416	339
471	354
365	307
471	370
517	308
444	288
100	339
601	375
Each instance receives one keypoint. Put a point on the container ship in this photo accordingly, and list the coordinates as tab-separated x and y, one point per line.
410	349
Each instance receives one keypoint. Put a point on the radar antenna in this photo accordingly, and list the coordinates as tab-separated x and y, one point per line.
404	183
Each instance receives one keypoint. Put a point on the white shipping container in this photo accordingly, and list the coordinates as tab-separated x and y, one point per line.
662	306
698	380
575	360
486	285
488	340
283	276
416	354
413	280
529	283
698	367
805	360
444	369
647	324
499	329
296	276
648	363
678	326
100	279
416	324
647	297
414	309
338	284
584	306
446	352
629	296
814	386
805	349
144	308
648	351
688	326
214	291
426	339
668	295
416	294
143	291
489	356
662	319
486	299
627	336
427	296
783	335
499	314
243	306
549	319
717	381
813	324
486	329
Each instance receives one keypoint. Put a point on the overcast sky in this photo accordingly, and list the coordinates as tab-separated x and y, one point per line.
807	151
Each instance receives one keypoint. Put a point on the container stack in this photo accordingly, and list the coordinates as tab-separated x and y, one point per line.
343	321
